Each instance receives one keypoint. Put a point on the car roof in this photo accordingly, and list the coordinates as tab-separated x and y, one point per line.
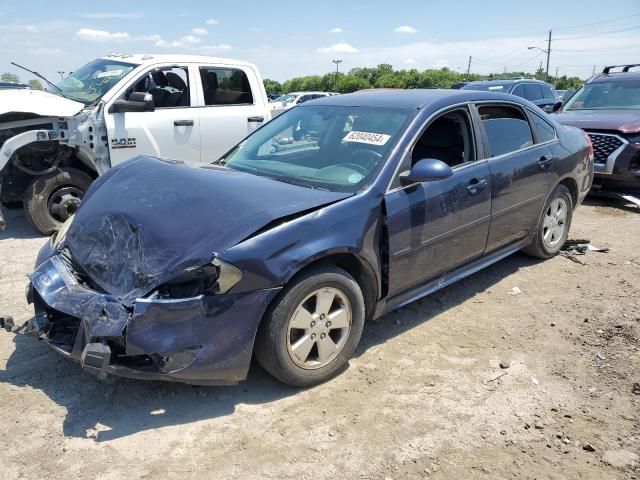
412	99
505	81
150	58
615	76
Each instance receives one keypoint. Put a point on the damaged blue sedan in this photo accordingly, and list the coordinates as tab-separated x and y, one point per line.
335	212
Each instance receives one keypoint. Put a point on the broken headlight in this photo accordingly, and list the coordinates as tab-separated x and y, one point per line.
214	278
58	236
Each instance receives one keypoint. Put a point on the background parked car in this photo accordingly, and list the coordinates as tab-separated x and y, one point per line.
7	85
112	109
607	107
289	100
537	92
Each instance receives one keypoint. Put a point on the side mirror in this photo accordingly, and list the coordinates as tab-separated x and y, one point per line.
137	102
426	170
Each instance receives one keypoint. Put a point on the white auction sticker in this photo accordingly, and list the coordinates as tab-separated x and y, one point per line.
366	137
109	73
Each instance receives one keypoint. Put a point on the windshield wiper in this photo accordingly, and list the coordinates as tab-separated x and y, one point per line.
40	76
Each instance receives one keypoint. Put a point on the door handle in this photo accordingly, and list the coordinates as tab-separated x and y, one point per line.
255	119
545	162
183	123
476	186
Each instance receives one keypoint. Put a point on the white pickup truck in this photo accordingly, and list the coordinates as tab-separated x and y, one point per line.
52	146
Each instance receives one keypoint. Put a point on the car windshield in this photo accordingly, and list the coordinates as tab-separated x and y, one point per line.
88	83
334	148
285	98
620	95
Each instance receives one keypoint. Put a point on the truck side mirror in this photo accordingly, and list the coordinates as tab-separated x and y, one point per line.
137	102
556	106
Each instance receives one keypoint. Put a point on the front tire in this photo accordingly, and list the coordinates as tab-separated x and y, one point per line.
52	198
554	224
312	330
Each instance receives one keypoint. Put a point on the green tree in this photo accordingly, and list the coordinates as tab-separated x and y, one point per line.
272	86
36	84
9	77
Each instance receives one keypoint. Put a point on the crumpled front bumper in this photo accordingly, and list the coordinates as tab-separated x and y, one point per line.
201	340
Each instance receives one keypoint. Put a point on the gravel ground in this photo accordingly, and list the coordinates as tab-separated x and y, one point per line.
472	382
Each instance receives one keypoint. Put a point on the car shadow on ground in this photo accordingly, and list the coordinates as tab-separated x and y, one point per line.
120	407
603	201
18	227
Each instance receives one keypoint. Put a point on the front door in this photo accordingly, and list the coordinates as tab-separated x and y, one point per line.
172	130
435	227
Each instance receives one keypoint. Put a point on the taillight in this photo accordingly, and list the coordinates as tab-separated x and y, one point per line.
590	145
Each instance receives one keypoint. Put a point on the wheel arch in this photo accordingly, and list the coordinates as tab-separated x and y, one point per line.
572	186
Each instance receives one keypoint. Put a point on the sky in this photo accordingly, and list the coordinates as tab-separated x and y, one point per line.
287	38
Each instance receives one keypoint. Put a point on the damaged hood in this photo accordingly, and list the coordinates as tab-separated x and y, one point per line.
625	121
37	102
145	222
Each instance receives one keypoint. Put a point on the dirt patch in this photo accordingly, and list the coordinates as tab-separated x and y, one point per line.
425	397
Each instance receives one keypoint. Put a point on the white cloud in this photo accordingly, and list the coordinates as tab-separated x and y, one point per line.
342	47
46	51
147	38
199	31
257	29
220	46
336	30
212	21
19	28
186	41
405	29
409	61
93	35
111	15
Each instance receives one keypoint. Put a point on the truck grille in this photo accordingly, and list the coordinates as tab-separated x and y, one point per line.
604	145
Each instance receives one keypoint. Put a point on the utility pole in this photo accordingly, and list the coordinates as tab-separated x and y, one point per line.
556	80
593	72
469	66
337	61
548	54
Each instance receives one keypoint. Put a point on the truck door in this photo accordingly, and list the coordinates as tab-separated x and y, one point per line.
232	108
172	130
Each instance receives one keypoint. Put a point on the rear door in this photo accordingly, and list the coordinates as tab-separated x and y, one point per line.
231	108
435	227
520	165
172	130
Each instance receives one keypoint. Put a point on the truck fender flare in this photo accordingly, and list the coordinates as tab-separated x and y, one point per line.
10	146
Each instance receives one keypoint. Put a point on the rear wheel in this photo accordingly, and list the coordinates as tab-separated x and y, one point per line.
51	199
554	224
311	332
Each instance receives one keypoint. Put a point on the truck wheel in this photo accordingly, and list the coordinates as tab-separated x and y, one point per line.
51	199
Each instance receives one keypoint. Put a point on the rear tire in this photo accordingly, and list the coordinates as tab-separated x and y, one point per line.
51	199
553	226
312	330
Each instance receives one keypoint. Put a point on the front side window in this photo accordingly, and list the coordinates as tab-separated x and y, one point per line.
169	86
547	92
506	127
620	95
334	148
448	138
90	82
225	86
519	91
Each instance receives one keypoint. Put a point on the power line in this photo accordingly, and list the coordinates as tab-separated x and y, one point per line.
597	34
598	23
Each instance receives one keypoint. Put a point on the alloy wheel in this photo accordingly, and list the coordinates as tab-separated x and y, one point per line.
555	222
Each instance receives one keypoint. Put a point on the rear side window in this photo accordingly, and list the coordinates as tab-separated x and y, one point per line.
519	91
532	92
225	86
547	91
506	127
545	129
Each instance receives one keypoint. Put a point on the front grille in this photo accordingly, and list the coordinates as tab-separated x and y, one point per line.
604	145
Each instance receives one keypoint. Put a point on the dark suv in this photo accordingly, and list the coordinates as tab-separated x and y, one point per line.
539	93
607	107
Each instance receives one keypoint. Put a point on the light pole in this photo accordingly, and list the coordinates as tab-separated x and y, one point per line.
61	73
547	51
337	61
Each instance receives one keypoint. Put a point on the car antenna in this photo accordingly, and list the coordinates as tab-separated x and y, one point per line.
40	76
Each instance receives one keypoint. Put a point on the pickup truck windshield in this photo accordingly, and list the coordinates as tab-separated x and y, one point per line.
334	148
619	95
88	83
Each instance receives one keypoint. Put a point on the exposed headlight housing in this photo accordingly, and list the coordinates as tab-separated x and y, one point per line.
59	236
217	277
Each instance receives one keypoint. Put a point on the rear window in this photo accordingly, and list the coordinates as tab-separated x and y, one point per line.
225	86
507	129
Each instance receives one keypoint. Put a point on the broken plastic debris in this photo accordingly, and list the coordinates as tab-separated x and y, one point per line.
515	291
535	381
